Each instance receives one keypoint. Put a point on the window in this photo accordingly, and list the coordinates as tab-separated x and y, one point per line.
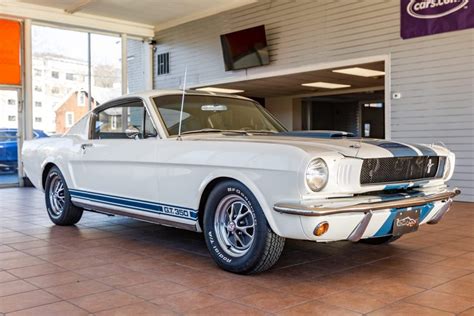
81	98
38	120
69	119
38	104
38	89
38	72
215	113
54	90
55	74
163	64
112	123
11	102
69	76
11	118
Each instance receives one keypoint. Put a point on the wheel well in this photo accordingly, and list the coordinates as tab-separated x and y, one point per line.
45	173
205	195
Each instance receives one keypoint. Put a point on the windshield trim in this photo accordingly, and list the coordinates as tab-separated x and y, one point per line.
165	128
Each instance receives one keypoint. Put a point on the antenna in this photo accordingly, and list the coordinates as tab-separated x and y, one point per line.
182	103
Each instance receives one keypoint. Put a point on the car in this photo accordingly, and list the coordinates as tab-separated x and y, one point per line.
9	148
224	166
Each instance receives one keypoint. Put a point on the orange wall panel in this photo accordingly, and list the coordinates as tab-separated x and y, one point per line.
10	39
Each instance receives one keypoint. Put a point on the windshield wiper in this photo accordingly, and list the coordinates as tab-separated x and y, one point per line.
204	130
260	131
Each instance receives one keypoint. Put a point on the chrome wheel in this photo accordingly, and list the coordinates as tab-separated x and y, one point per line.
57	198
234	224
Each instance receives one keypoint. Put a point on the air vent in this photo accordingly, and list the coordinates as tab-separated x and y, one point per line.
163	64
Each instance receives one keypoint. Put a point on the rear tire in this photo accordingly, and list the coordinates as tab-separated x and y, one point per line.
60	209
236	230
380	240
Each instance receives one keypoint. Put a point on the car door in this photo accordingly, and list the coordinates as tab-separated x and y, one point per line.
117	165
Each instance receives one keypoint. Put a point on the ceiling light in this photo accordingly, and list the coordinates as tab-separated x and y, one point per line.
357	71
326	85
219	90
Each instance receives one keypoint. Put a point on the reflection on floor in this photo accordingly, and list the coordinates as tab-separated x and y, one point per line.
8	178
118	266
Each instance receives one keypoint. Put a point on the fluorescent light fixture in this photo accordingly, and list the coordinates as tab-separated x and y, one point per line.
219	90
326	85
362	72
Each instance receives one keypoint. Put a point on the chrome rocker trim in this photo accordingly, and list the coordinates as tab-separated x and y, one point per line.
309	210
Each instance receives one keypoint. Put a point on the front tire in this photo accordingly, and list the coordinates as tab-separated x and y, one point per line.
60	209
237	232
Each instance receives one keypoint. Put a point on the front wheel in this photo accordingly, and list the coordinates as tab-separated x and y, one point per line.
61	211
237	232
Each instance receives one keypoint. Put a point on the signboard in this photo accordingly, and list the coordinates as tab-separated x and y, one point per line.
426	17
10	39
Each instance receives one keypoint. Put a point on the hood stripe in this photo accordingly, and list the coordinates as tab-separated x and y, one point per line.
397	149
425	150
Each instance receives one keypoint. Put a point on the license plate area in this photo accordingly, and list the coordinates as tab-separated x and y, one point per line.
406	221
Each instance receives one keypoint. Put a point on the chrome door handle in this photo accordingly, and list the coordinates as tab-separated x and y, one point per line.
84	146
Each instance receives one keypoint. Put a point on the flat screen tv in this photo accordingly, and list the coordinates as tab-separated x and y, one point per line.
245	49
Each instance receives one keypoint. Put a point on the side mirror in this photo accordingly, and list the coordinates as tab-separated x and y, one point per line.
132	132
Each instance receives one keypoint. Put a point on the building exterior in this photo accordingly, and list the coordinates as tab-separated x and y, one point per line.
431	77
75	107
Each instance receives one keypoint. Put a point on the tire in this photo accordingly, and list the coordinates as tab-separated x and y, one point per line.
60	209
242	254
380	240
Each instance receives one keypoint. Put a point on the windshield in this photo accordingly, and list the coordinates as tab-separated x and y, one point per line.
212	113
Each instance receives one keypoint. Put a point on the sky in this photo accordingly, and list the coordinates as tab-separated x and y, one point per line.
105	49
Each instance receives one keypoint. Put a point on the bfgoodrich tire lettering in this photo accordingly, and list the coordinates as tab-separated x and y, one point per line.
60	209
240	240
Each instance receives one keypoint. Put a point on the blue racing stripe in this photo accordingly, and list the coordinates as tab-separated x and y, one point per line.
140	205
425	150
397	149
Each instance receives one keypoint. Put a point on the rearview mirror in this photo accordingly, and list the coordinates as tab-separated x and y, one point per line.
132	132
213	107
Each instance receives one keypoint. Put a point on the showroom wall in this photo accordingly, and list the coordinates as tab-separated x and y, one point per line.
434	74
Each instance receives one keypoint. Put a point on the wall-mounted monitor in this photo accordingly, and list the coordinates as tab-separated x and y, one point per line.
245	49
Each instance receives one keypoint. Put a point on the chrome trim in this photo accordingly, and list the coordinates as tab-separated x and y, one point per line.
312	210
359	231
442	211
144	218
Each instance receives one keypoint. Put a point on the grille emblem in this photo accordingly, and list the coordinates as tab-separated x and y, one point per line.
429	166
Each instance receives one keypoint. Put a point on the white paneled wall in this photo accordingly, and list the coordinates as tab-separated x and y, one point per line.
435	74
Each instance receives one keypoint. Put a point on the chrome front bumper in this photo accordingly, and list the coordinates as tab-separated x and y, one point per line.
312	210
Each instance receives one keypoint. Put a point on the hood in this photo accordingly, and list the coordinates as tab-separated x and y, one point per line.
349	147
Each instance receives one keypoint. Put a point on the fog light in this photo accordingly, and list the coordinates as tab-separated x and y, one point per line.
321	229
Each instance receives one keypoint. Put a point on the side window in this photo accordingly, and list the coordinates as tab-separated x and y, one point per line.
113	122
150	130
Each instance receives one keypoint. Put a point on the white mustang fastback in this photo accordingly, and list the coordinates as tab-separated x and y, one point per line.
226	167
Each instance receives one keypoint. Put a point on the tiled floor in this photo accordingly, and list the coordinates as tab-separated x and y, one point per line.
116	266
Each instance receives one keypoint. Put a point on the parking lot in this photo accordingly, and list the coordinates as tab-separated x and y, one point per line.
113	266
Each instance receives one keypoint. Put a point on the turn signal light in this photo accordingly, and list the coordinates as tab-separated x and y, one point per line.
321	229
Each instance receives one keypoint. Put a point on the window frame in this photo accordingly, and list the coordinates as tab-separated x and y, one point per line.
123	102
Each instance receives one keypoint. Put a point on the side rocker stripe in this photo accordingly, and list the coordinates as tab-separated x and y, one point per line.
146	206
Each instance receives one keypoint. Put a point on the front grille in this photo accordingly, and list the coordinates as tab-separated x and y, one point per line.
401	169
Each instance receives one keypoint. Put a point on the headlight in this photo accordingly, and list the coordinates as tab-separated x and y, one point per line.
317	174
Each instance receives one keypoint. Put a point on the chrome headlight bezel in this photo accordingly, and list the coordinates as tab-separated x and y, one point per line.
316	175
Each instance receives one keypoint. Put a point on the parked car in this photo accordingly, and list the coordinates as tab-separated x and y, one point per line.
9	148
233	172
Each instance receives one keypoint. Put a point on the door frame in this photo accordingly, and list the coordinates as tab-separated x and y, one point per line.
19	136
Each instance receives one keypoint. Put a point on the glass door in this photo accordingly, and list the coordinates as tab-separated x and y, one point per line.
9	136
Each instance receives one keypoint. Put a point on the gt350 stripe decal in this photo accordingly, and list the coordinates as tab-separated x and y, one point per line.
140	205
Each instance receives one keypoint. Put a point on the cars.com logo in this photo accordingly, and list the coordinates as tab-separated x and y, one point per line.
431	9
